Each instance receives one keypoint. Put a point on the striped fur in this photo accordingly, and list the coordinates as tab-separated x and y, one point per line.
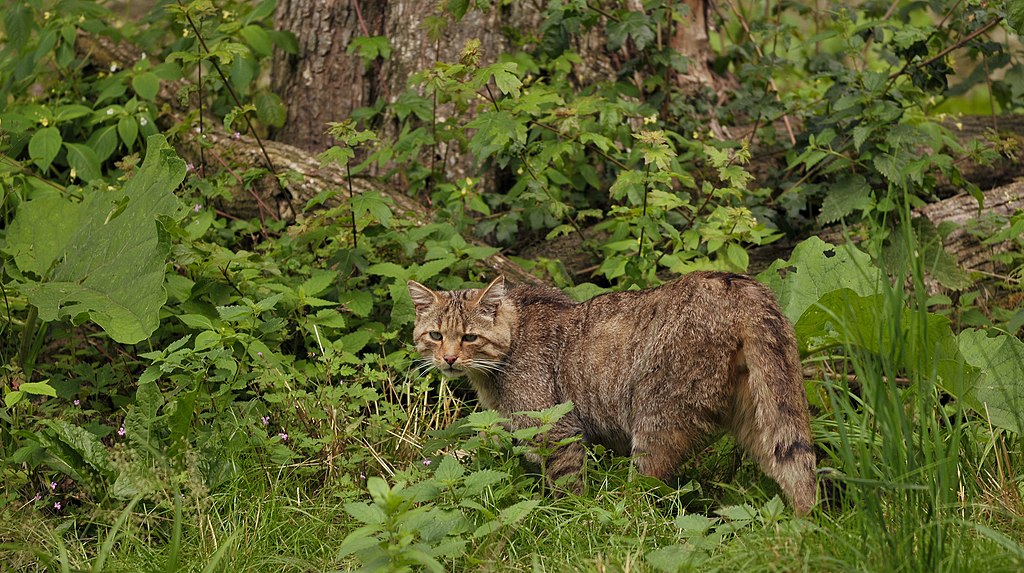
652	373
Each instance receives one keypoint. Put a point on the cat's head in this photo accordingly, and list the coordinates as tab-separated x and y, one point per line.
462	331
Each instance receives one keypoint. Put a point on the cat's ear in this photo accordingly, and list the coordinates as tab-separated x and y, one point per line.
490	297
422	297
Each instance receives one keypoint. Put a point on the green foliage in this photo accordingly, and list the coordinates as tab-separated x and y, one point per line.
272	372
104	257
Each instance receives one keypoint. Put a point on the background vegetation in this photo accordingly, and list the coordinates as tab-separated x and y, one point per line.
187	388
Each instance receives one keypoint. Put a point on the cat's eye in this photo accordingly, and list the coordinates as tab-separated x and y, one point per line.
435	335
469	338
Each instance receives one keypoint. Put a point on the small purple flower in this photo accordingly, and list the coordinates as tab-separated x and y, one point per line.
426	461
77	402
57	505
283	436
37	497
197	208
120	431
260	354
190	167
53	485
237	135
265	420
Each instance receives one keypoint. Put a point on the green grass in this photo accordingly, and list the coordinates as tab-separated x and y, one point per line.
910	482
941	515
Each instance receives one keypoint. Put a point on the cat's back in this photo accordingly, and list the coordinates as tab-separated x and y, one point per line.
707	297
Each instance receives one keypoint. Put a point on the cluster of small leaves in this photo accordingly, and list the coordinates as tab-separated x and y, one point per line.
231	43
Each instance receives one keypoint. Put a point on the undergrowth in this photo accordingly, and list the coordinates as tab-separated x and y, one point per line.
187	389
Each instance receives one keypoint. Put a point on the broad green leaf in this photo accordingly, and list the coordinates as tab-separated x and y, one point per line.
509	516
431	269
376	205
815	268
505	78
44	146
13	397
270	109
37	388
111	267
84	442
38	235
84	161
258	39
999	390
142	416
104	142
743	512
128	130
147	85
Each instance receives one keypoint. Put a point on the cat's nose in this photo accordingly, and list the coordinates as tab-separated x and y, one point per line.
450	359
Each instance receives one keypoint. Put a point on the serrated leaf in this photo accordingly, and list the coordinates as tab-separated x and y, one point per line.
743	512
495	131
360	303
457	8
893	167
552	414
449	470
632	24
374	204
112	269
694	523
849	194
319	282
37	388
860	135
509	516
431	269
505	78
365	513
142	416
673	558
479	480
44	145
390	270
1015	15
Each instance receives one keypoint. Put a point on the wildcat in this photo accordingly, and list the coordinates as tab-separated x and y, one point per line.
652	373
